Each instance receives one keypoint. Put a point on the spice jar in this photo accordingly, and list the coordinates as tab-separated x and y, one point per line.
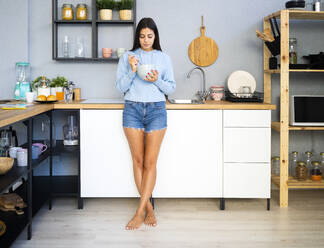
81	12
316	172
292	51
67	11
301	171
293	163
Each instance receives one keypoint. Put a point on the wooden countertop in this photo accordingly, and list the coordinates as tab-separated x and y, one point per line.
8	117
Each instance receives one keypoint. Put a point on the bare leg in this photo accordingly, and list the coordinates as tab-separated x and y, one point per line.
153	142
135	139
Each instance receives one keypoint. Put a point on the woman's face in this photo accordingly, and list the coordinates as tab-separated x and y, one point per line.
146	39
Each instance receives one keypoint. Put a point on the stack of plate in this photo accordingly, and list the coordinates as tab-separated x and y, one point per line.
241	84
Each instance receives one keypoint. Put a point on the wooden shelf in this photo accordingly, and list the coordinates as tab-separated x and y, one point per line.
299	15
292	70
275	125
130	22
295	184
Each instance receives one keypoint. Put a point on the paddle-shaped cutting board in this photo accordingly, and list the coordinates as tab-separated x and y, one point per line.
203	51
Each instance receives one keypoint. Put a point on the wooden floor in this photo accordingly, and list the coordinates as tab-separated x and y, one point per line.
183	223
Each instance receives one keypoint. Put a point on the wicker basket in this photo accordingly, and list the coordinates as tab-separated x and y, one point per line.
5	164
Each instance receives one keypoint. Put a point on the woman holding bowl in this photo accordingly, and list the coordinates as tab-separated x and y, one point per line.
144	115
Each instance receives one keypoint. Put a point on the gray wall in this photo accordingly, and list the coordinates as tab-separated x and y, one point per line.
231	24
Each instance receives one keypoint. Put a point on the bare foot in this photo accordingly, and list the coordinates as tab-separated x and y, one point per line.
150	219
135	222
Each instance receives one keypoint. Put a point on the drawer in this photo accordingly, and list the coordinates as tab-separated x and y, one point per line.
247	118
244	180
247	145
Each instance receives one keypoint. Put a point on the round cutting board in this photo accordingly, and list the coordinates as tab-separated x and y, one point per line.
203	51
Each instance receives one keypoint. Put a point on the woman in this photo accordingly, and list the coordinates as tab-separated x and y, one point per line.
144	115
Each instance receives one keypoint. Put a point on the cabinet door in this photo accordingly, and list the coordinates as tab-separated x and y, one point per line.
190	160
106	163
247	180
247	145
247	118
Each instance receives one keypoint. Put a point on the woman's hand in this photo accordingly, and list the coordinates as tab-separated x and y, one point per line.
152	76
133	62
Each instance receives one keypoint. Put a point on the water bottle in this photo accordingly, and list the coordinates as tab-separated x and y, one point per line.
66	47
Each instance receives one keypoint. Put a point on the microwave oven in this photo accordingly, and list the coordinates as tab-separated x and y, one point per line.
307	110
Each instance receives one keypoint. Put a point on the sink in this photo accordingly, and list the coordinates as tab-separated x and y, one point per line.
185	101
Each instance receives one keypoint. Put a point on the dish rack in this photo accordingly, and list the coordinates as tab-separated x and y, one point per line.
244	97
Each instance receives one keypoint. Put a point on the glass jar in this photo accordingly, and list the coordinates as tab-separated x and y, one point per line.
67	12
301	171
81	12
292	51
309	161
275	166
316	172
293	163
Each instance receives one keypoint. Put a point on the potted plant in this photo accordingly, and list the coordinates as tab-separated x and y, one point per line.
125	9
41	85
57	86
105	7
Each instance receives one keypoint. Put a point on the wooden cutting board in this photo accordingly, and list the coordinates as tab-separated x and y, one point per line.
203	51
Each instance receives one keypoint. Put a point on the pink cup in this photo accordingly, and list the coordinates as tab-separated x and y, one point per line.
41	147
106	52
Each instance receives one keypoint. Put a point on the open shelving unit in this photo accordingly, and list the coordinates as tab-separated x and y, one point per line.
284	182
94	23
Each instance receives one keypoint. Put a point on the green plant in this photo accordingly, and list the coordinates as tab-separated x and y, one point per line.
38	81
105	4
59	82
124	4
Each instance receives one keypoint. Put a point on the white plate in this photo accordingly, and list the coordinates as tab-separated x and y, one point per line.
239	79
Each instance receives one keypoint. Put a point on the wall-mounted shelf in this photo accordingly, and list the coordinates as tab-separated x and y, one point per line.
293	70
275	125
93	23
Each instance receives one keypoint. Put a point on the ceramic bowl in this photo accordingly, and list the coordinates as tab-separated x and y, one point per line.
142	70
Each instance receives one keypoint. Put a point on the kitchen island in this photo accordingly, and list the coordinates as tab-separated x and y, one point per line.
217	149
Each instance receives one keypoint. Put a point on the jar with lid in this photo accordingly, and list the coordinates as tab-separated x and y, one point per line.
81	12
293	163
275	166
67	12
309	161
292	51
316	172
322	159
301	171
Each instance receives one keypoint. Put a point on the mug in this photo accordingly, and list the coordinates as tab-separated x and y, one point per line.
35	152
13	151
106	52
30	96
120	51
22	157
41	147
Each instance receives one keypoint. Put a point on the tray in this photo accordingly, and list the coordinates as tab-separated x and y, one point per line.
46	101
243	97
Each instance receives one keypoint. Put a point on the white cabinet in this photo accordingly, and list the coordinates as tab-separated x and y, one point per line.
247	180
106	163
247	145
190	160
189	165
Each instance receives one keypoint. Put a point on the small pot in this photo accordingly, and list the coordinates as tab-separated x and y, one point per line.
105	14
125	14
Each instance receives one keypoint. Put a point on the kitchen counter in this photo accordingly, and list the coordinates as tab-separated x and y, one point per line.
8	117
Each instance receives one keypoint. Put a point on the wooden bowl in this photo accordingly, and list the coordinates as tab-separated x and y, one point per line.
5	164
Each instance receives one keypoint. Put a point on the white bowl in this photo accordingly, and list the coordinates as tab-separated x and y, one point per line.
142	70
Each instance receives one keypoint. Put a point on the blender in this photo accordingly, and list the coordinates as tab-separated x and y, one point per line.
70	132
22	80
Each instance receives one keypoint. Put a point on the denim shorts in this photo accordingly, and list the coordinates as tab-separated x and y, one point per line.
147	116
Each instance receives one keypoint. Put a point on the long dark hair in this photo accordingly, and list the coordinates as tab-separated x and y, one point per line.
146	22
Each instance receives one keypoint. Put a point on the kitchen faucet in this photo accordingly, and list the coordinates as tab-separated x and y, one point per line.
202	94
